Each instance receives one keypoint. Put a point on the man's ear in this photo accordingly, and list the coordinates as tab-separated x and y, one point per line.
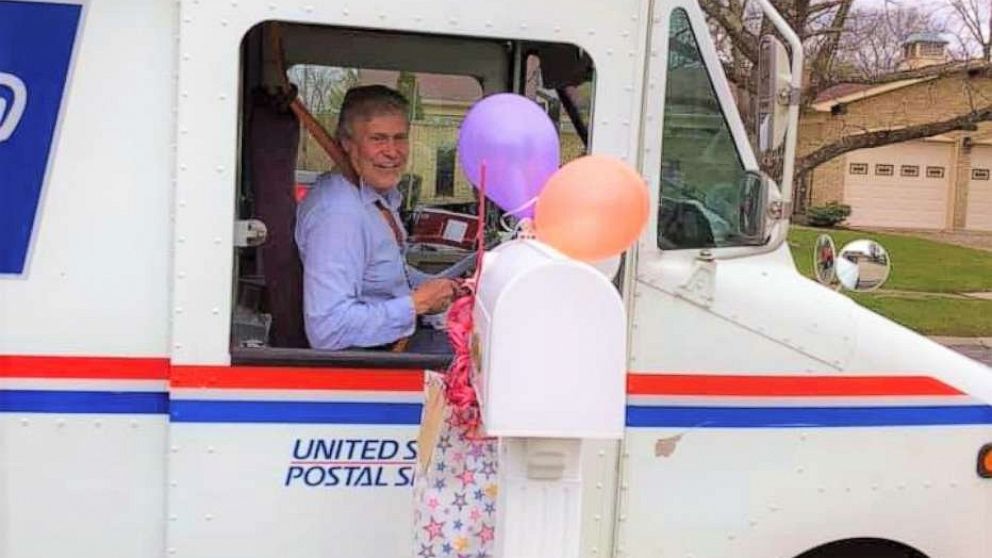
346	144
346	166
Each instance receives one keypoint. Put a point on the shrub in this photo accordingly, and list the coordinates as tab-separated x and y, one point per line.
828	215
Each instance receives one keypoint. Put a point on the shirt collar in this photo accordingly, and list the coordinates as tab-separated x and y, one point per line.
392	198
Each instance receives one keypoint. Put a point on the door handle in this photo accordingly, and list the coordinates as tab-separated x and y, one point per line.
11	111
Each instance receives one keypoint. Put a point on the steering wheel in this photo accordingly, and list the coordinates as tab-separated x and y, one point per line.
467	264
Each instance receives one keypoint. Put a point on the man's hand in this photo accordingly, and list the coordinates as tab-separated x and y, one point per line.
433	296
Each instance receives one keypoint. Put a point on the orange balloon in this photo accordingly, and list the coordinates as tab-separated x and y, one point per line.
592	208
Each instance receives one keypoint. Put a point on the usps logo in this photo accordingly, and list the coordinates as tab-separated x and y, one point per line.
36	42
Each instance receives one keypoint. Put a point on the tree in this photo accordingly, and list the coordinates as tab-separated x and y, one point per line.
322	90
843	45
406	84
872	44
971	21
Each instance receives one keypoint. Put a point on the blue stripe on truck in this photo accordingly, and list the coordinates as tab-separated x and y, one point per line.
97	402
354	412
804	417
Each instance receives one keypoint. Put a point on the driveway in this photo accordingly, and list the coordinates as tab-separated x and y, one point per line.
977	348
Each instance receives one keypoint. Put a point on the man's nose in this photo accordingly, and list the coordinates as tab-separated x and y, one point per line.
392	148
397	146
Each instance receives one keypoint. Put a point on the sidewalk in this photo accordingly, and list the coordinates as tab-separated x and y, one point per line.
978	348
959	341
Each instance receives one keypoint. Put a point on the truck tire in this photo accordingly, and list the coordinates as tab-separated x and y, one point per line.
863	548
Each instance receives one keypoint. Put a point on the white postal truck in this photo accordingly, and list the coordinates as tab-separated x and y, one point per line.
155	402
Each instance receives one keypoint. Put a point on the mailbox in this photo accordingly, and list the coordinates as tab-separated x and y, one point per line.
550	344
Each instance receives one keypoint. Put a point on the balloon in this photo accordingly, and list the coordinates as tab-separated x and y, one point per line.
592	208
519	145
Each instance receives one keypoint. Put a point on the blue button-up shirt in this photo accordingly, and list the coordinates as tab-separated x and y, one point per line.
356	285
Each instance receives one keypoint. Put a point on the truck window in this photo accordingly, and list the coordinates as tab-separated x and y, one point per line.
701	170
434	187
441	77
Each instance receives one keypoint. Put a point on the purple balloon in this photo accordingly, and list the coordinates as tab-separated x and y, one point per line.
519	145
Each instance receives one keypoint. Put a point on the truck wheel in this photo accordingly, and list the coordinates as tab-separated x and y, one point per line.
863	548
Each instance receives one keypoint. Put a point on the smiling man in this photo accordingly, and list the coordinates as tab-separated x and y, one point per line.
357	289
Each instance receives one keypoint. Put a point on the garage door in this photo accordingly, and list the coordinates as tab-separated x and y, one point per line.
979	214
902	186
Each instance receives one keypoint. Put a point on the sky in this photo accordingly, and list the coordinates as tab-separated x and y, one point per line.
942	12
907	3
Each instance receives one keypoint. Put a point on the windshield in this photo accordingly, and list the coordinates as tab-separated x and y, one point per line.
701	170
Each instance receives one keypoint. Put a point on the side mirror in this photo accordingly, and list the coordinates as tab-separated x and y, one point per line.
774	91
753	217
863	265
824	258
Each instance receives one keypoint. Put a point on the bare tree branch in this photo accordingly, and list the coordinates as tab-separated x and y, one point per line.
973	19
824	7
879	138
825	54
825	31
744	41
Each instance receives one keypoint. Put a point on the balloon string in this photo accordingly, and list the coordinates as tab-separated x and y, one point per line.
526	205
512	214
480	229
504	225
459	391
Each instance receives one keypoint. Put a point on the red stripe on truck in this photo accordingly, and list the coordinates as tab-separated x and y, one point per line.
785	386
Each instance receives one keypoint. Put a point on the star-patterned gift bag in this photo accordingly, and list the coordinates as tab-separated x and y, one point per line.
455	490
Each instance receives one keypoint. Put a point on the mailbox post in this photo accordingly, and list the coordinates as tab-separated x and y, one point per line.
551	366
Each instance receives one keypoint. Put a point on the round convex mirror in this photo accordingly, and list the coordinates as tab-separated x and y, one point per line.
862	265
824	254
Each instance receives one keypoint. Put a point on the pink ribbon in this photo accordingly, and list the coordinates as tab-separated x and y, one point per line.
458	391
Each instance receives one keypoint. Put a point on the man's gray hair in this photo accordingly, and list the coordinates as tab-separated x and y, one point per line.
366	102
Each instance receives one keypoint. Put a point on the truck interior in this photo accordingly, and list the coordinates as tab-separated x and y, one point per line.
294	77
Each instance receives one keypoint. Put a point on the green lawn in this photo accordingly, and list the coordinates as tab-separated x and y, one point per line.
925	275
955	317
917	264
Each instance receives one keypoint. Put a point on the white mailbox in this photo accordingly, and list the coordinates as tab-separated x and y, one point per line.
551	334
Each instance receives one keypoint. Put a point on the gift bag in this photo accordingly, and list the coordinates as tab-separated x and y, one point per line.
455	488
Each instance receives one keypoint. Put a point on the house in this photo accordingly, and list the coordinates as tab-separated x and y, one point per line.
941	182
441	102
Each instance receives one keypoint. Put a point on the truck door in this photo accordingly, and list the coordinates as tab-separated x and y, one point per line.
695	157
768	416
277	449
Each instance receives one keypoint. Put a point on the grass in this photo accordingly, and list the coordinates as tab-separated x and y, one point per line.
954	317
917	264
921	290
